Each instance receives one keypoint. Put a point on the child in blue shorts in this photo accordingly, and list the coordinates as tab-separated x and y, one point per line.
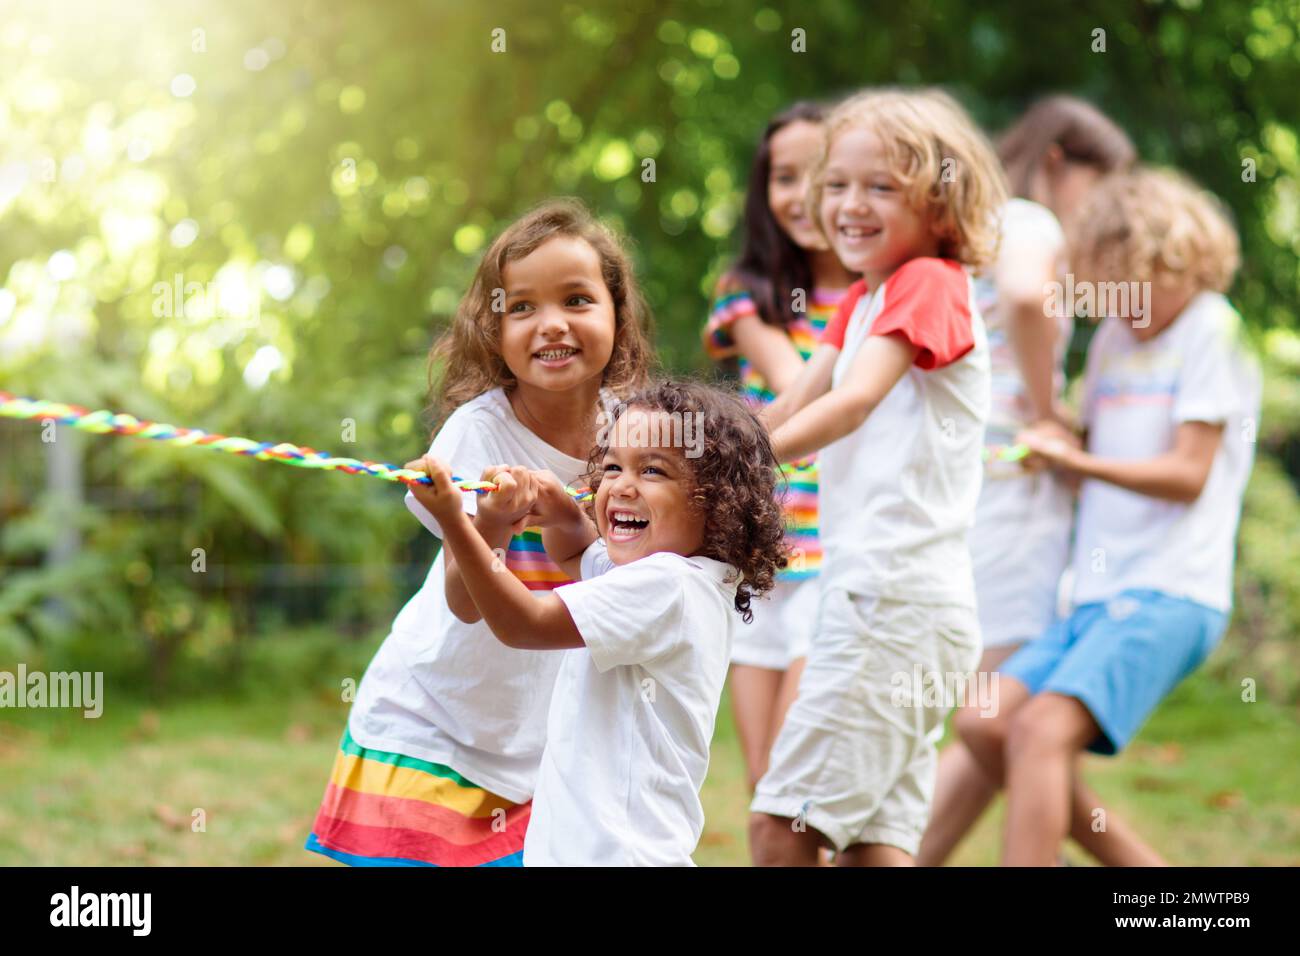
1171	402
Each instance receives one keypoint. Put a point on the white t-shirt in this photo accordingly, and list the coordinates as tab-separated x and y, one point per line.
1136	394
898	494
1020	542
448	692
633	712
1023	223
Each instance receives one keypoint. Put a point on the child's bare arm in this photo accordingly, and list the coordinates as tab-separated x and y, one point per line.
879	364
1022	276
462	605
1177	475
496	519
516	617
812	382
769	351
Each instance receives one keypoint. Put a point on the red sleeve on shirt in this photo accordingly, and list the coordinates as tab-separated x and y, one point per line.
833	333
927	301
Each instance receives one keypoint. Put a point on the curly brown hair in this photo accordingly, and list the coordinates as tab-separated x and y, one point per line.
468	354
733	481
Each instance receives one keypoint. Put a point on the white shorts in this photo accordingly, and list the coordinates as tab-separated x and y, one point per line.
782	626
1019	547
855	758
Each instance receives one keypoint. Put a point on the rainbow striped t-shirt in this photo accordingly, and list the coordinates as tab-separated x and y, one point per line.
526	559
730	302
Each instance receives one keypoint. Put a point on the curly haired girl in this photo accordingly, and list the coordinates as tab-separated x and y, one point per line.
679	534
439	758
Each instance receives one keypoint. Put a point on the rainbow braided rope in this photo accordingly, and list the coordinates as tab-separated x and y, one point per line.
104	423
1005	452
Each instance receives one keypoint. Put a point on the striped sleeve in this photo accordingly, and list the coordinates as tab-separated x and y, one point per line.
730	302
833	334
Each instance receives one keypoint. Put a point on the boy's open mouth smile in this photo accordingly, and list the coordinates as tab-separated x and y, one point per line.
625	525
855	235
557	356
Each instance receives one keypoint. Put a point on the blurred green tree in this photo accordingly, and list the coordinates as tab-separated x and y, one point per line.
254	218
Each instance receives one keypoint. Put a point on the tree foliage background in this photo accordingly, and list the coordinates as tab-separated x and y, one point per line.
329	172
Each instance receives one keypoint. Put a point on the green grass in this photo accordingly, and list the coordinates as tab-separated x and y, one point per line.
1210	780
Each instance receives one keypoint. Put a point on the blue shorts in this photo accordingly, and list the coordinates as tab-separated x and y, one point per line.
1119	658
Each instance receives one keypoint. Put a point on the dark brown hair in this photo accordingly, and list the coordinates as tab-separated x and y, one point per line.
468	354
733	481
1084	134
770	266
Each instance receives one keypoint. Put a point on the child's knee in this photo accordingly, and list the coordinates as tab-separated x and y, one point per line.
981	733
770	839
1043	726
763	829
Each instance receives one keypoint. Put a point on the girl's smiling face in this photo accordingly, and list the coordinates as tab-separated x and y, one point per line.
643	504
558	328
793	150
872	226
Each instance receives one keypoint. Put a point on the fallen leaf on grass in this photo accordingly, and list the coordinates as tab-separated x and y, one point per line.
1225	799
298	734
14	741
147	726
133	851
170	818
1167	754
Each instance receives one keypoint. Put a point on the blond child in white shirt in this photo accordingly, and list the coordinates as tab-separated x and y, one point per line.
894	401
1171	405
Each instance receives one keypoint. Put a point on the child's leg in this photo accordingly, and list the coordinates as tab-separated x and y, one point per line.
1114	843
1128	654
893	834
985	734
855	757
767	661
874	854
774	841
961	795
1020	676
962	791
781	841
785	696
1046	737
754	694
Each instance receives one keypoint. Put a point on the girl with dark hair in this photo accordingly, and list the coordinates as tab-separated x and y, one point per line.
768	312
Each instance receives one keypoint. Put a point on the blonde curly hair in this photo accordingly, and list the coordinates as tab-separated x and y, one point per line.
947	167
1149	223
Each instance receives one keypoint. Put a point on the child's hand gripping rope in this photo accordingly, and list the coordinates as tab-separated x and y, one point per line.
1049	444
508	491
554	506
439	494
